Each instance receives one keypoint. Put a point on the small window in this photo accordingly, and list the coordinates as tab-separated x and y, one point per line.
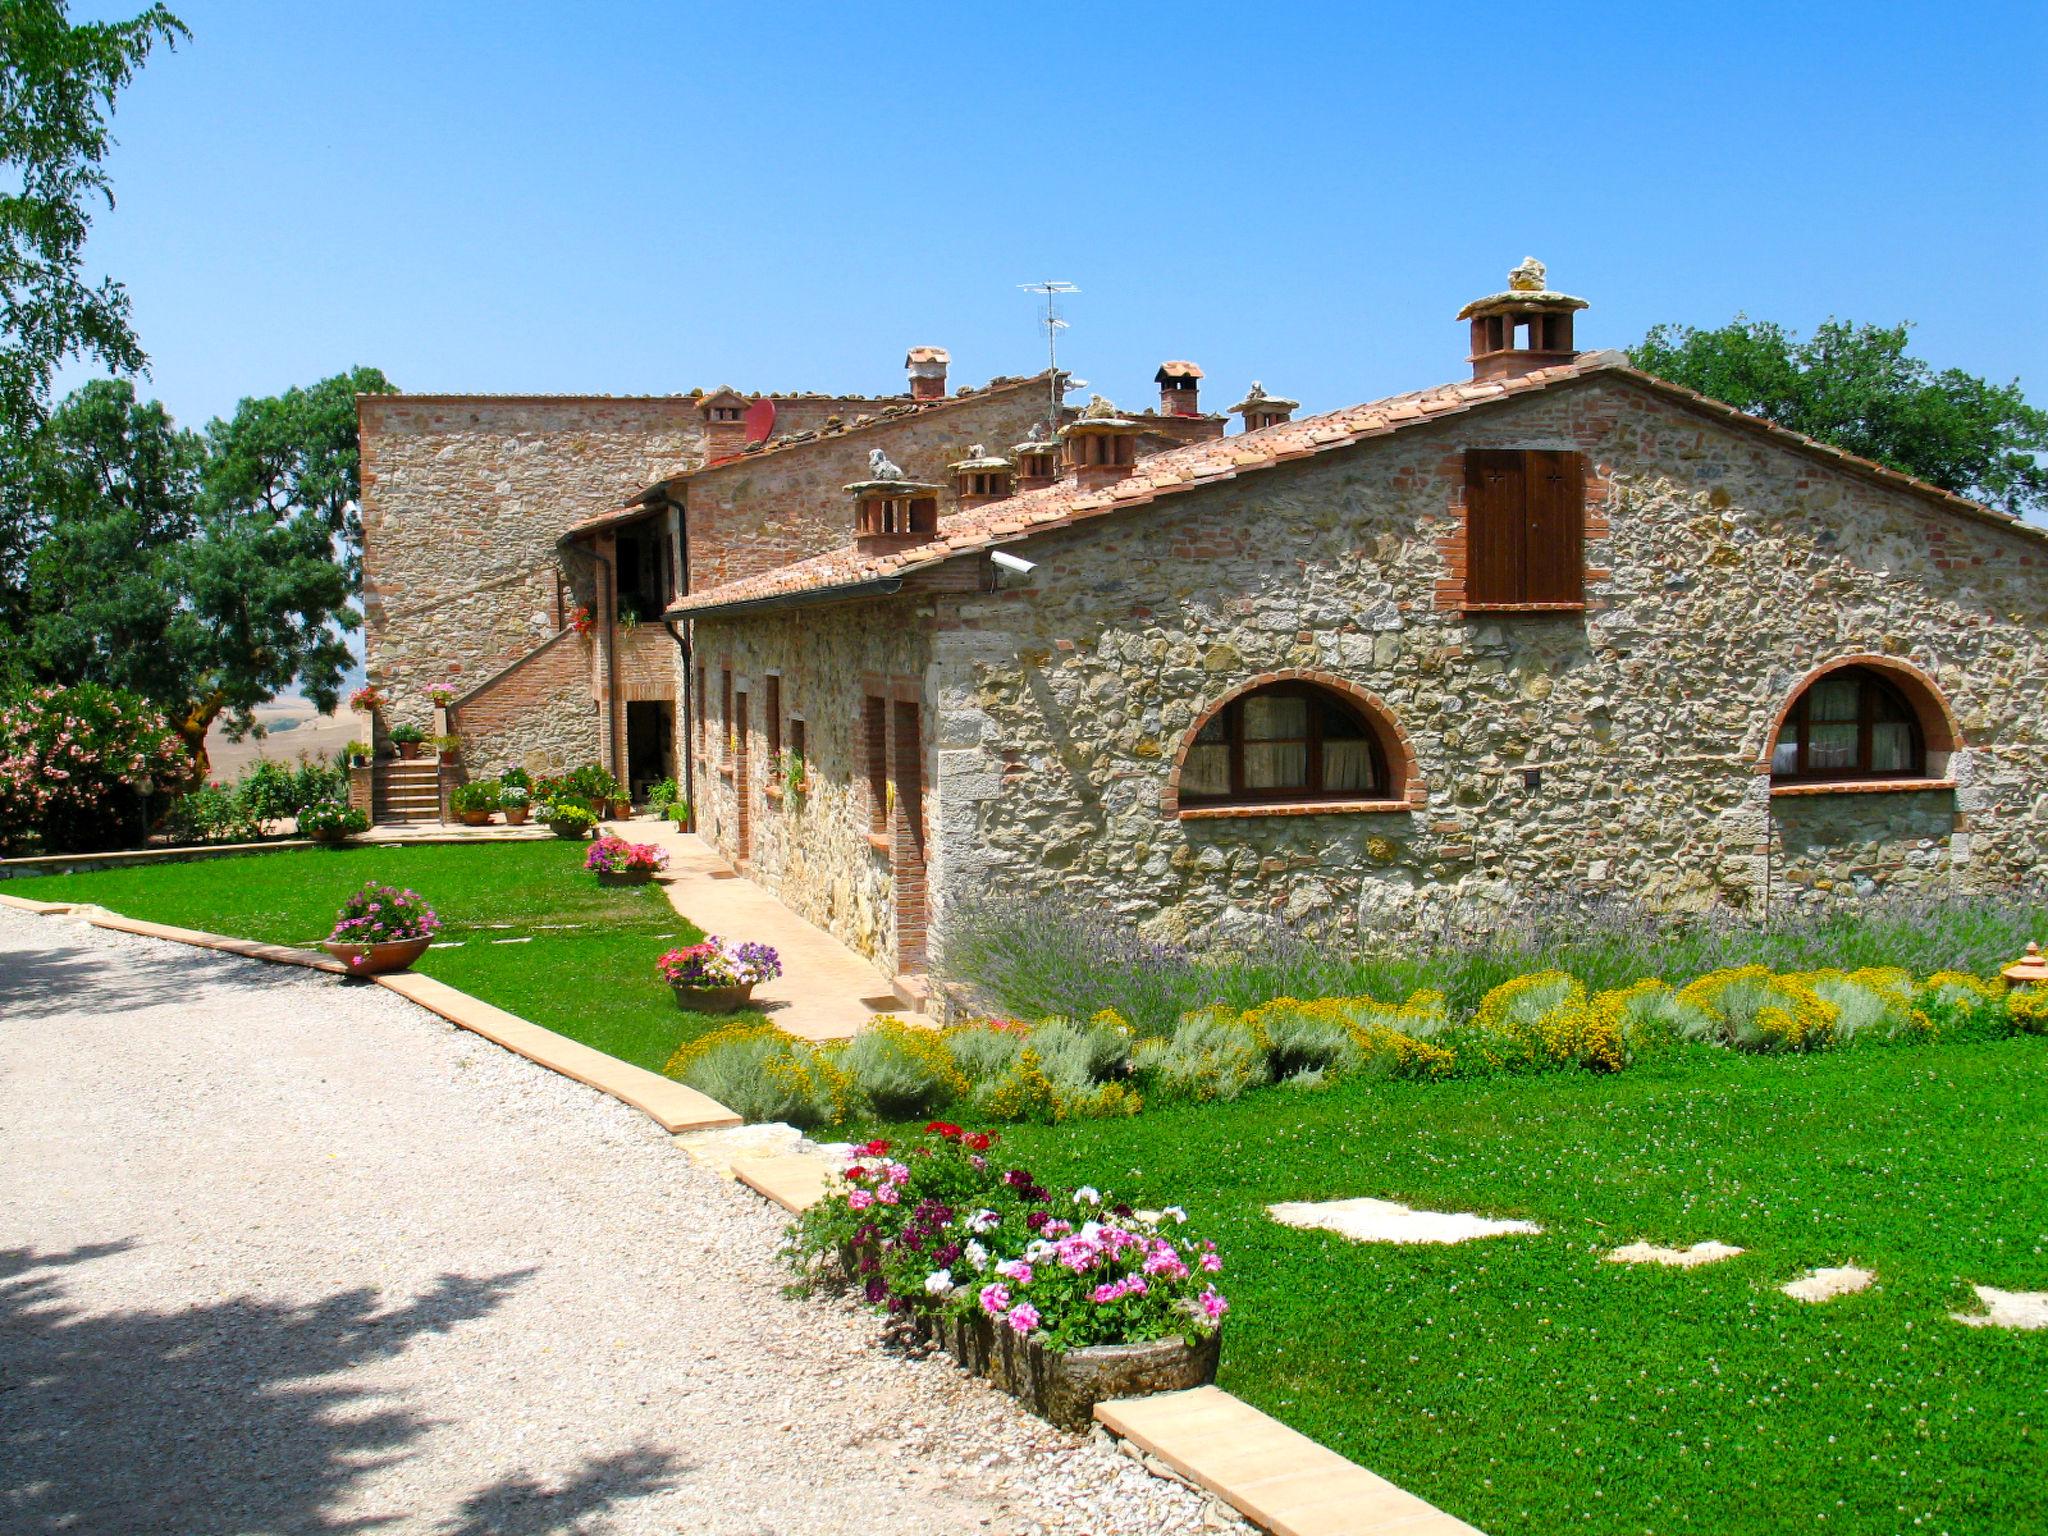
797	749
1850	724
1289	741
874	721
772	702
725	714
1525	527
703	706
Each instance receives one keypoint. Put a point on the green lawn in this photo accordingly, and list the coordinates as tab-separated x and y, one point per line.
1528	1386
586	968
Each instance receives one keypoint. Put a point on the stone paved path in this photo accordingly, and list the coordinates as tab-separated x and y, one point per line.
826	992
283	1254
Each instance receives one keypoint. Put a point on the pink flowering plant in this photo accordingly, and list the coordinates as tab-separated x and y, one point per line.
441	695
718	963
941	1228
613	855
82	768
383	914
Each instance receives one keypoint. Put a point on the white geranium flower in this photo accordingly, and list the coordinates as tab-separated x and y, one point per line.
939	1282
983	1221
976	1255
1036	1250
1176	1213
1087	1194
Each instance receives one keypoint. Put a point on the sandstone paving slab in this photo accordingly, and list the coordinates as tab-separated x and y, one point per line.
1826	1284
672	1105
1388	1221
794	1183
1276	1476
248	949
1709	1252
2007	1309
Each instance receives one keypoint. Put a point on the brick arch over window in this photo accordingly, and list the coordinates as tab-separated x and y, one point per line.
1940	735
1405	789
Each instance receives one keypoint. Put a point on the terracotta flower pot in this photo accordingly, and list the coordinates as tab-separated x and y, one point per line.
573	831
407	749
622	810
331	837
475	818
712	999
624	876
376	959
515	815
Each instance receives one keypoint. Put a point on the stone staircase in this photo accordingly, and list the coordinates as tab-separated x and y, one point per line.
405	790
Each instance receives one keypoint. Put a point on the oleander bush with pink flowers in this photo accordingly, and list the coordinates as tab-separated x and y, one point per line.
81	769
939	1227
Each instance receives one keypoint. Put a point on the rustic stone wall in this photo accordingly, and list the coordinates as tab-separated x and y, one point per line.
767	510
1614	751
463	501
538	714
813	851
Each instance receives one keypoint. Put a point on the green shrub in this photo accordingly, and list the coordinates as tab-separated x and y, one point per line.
332	816
761	1073
1211	1054
1078	1056
406	734
985	1050
516	778
476	795
1302	1038
1751	1009
1870	1002
661	795
1956	1004
212	813
1023	1092
896	1071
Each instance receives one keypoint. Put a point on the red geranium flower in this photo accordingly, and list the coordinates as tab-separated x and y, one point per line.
943	1128
977	1141
875	1148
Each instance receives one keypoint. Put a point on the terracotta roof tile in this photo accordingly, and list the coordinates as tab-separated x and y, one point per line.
1204	462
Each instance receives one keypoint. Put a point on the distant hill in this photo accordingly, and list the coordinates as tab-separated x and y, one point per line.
293	729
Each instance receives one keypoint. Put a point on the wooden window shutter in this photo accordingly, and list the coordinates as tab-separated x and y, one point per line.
1493	525
1554	526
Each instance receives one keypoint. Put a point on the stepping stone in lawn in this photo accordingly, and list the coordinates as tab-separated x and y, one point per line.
1388	1221
2007	1309
1827	1284
1673	1258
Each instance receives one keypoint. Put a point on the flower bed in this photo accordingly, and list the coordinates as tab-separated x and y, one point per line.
1062	1069
1060	1300
617	861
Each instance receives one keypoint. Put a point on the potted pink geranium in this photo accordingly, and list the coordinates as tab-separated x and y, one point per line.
618	862
716	976
381	928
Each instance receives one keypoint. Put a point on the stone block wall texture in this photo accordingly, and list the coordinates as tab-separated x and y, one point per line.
538	715
754	514
1722	569
463	501
814	852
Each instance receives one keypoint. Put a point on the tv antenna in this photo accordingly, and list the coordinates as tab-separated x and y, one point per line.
1053	291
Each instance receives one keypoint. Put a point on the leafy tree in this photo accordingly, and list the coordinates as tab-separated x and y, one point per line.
58	83
1855	386
204	573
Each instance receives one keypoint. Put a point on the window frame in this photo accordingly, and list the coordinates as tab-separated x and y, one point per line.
1504	510
1872	685
1381	787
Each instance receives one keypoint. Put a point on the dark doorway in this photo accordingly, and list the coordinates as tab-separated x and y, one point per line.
650	744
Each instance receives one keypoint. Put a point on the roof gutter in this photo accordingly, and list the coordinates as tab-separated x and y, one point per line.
874	586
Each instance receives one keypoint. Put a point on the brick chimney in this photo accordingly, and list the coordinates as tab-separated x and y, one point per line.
1038	459
891	511
927	367
980	478
1180	385
1260	409
1101	446
1526	328
725	423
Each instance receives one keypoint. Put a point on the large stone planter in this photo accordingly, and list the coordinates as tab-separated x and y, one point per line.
377	959
1064	1388
712	999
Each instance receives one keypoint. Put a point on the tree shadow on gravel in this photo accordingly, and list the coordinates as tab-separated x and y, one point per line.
76	978
229	1415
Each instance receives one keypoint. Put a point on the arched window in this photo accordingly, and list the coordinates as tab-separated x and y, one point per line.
1285	741
1851	723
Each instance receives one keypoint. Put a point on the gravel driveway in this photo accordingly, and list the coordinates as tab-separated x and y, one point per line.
284	1254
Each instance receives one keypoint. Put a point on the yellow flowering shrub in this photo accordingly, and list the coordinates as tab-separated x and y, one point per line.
1756	1010
898	1071
1022	1093
761	1073
2027	1009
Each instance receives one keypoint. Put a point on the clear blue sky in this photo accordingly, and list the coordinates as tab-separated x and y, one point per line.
638	198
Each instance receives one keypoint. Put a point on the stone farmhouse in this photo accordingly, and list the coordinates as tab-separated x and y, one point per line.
1555	628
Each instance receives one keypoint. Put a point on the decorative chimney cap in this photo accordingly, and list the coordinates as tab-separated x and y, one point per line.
1035	441
1176	370
1256	399
1100	416
979	458
927	355
1528	289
